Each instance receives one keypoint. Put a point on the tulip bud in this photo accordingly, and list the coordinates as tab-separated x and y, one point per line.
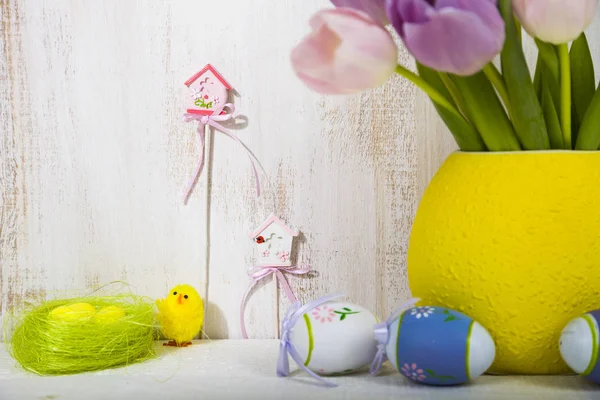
456	36
347	52
555	21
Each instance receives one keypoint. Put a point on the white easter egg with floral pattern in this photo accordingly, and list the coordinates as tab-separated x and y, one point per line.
335	338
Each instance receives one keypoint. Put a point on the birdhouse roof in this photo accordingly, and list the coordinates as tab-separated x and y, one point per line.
272	219
216	73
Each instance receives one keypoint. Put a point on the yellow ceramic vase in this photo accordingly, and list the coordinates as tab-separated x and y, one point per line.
513	241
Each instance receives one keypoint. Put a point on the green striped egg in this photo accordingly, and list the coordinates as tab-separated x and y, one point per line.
335	338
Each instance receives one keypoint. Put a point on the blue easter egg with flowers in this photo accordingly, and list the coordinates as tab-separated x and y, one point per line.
439	346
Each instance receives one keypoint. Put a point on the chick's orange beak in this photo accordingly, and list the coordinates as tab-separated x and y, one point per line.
179	301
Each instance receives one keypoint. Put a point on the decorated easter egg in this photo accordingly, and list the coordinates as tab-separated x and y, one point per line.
335	338
109	315
72	312
439	346
579	345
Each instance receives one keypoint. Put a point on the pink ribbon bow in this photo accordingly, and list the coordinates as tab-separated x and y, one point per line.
213	120
262	271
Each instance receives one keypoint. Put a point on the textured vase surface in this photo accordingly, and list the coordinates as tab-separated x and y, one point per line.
513	241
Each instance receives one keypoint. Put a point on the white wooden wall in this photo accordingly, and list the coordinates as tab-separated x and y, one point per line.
95	156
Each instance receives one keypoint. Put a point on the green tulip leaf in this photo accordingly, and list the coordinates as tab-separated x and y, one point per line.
552	120
466	136
489	116
583	81
547	53
552	84
528	117
589	134
549	70
537	78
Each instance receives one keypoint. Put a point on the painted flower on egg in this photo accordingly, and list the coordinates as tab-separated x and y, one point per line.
422	312
411	372
323	314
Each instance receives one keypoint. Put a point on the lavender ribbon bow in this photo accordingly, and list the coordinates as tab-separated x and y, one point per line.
382	335
294	314
262	271
213	120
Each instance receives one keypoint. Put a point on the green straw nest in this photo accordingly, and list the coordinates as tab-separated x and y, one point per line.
81	334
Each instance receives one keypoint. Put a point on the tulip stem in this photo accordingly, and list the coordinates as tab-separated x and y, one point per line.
428	89
565	93
495	77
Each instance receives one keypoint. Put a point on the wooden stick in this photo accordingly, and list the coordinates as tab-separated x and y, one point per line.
207	189
276	306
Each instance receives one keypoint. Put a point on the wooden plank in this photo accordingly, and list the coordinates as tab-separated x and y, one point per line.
20	278
372	162
246	369
280	131
95	158
104	180
97	154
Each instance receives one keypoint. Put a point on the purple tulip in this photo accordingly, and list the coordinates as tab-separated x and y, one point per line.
374	8
456	36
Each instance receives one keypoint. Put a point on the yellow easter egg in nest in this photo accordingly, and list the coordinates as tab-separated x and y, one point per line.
72	312
109	315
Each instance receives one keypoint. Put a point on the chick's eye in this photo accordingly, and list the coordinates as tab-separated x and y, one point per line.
174	293
185	297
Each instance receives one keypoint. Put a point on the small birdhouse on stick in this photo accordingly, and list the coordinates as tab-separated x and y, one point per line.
208	91
273	239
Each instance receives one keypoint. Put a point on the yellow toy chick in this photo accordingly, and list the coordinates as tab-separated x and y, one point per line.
180	315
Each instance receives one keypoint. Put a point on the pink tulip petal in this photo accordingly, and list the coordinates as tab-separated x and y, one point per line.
414	366
346	53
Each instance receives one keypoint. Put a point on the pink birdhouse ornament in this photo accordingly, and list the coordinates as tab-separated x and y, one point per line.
207	91
273	239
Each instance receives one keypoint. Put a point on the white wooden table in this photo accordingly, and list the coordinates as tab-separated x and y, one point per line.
243	370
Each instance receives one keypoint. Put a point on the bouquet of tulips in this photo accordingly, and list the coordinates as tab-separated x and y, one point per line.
455	42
